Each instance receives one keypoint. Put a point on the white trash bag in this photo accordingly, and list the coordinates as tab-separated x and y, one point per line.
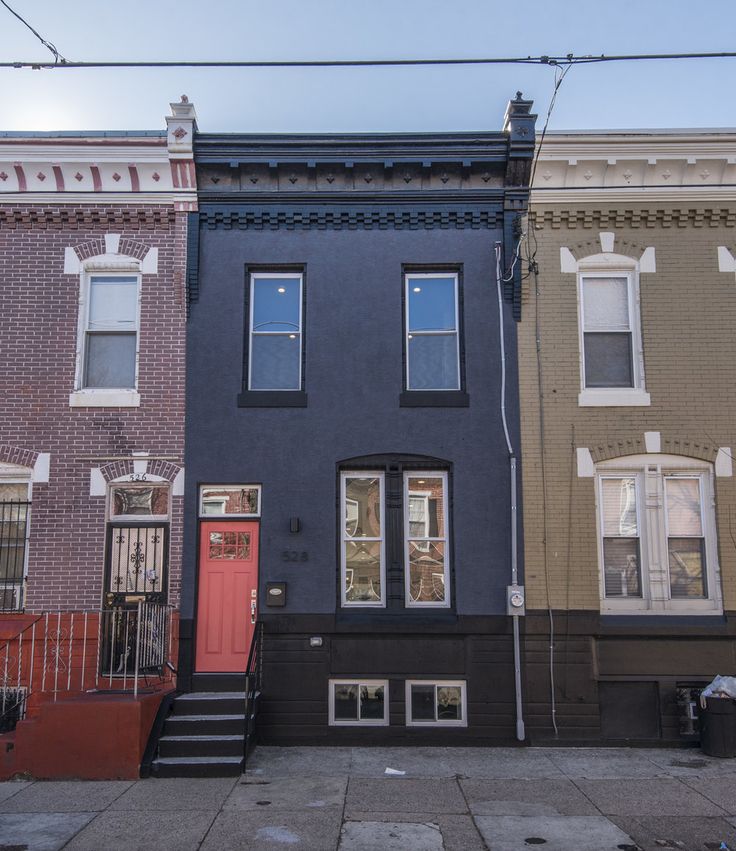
720	687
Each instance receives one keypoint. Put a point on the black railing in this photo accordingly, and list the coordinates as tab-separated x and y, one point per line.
253	685
13	539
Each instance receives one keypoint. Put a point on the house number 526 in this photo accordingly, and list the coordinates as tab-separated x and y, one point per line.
293	555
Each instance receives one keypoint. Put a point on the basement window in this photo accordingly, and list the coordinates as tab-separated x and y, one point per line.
436	703
358	703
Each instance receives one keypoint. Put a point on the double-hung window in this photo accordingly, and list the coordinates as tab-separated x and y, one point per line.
371	536
275	337
668	562
111	332
432	331
608	344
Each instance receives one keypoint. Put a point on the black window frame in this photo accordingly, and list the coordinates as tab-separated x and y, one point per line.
434	398
248	398
393	466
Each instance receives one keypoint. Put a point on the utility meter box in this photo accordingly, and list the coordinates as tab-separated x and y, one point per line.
515	600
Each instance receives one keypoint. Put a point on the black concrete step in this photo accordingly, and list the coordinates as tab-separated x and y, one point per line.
210	703
218	682
192	766
205	725
212	746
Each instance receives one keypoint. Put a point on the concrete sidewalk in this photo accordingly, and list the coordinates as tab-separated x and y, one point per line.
341	799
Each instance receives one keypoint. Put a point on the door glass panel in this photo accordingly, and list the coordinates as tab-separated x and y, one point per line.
229	546
137	559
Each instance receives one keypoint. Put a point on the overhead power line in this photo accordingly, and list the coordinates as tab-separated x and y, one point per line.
52	47
562	61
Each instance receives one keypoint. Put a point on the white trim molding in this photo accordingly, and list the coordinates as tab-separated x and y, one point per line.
92	398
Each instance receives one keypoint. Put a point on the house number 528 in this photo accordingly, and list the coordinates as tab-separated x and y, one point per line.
293	555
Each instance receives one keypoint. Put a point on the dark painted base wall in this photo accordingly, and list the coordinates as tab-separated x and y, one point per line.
294	707
616	678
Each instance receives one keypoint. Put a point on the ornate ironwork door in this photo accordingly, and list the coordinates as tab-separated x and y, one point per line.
228	594
137	561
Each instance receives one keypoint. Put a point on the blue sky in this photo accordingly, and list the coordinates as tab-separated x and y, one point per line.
696	93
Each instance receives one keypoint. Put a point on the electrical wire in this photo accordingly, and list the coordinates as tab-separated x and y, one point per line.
58	58
556	61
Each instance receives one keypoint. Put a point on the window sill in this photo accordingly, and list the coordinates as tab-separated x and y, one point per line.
434	399
613	397
104	399
272	399
701	608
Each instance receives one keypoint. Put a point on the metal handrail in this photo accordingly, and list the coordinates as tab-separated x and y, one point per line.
253	679
75	652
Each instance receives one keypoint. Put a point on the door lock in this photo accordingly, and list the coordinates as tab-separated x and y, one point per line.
252	611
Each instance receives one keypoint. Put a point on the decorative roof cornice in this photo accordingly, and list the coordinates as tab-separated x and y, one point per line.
663	217
74	169
685	166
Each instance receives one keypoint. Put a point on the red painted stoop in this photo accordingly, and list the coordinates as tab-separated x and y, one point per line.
90	737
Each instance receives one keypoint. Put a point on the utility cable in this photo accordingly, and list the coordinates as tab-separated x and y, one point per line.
555	61
52	47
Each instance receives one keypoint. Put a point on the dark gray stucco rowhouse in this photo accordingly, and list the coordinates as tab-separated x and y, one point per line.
348	473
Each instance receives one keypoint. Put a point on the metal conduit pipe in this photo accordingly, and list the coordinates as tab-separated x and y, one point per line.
520	733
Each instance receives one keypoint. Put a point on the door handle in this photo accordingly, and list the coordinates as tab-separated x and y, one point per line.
252	611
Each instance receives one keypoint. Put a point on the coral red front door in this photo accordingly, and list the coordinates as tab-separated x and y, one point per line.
228	594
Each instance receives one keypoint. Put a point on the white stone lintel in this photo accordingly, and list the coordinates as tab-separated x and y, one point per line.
653	441
724	462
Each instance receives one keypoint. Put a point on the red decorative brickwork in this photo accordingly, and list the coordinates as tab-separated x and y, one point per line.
39	307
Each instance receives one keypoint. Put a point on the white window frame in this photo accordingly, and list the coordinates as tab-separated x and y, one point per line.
122	397
613	266
651	472
359	722
462	684
415	276
426	474
344	537
202	499
251	332
13	474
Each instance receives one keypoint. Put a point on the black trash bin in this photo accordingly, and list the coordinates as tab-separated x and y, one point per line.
718	727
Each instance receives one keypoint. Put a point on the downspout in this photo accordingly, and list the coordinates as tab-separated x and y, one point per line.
515	614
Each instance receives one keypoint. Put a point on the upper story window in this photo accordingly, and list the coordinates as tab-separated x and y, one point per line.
432	331
111	332
669	562
607	326
395	516
275	338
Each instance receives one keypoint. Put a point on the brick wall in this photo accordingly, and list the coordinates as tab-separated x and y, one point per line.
38	340
688	310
